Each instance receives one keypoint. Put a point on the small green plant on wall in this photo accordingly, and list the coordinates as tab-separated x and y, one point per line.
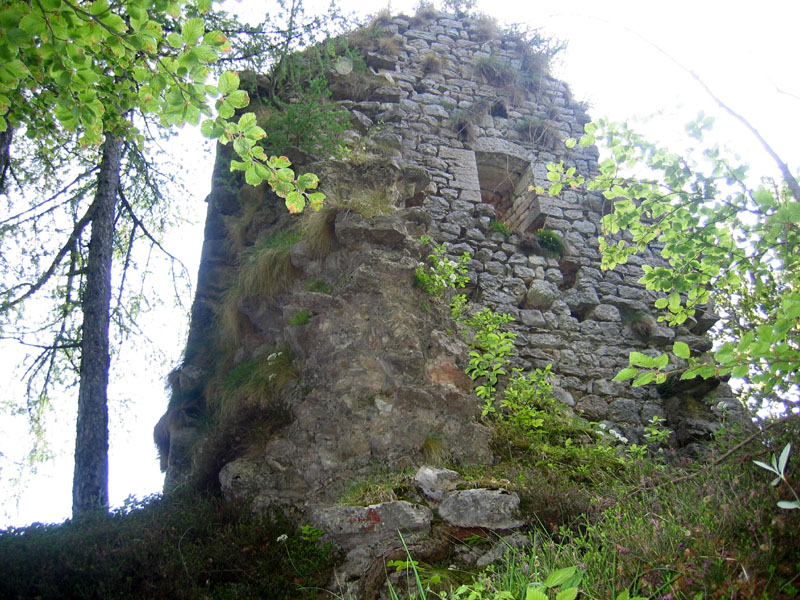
300	318
551	242
441	272
500	227
489	358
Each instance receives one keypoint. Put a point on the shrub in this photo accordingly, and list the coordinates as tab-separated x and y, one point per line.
308	122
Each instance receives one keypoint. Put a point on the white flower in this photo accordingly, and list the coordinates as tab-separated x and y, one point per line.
283	537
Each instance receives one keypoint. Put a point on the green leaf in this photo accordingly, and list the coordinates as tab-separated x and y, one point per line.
114	22
789	504
225	109
175	40
644	379
307	181
568	594
192	30
246	121
33	23
637	359
206	54
535	593
98	7
555	189
558	577
238	99
10	17
285	174
316	199
228	82
625	374
681	350
17	68
570	142
740	371
279	162
295	202
251	175
791	304
674	301
784	458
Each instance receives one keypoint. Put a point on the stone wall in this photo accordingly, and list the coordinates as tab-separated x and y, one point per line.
461	124
485	134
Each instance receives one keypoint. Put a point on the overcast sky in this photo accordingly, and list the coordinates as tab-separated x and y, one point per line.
747	52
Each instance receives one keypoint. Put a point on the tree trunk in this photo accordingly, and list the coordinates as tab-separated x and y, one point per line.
5	155
90	480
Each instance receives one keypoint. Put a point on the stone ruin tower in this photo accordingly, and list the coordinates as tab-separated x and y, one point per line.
450	125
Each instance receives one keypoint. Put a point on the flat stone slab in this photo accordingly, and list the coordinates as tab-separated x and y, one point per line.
492	509
352	526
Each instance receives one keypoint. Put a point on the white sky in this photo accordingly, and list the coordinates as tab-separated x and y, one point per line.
743	50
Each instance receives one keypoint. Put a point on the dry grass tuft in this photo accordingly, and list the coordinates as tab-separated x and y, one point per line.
265	271
252	199
388	45
318	232
486	28
433	63
425	11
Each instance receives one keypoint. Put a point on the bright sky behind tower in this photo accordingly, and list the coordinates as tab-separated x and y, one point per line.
747	52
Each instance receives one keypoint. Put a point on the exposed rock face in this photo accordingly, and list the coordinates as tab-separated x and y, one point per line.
381	379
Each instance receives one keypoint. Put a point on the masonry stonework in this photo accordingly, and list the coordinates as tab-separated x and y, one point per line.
457	148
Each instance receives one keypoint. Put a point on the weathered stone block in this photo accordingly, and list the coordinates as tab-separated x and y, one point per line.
541	294
436	482
493	509
351	526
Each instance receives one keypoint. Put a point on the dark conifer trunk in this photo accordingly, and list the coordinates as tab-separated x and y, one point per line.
5	155
90	480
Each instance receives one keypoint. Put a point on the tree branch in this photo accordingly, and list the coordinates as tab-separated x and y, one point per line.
73	238
138	223
784	169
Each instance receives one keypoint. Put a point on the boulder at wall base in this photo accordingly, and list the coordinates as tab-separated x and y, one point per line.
492	509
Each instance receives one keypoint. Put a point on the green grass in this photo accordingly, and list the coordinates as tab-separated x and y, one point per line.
300	318
177	547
